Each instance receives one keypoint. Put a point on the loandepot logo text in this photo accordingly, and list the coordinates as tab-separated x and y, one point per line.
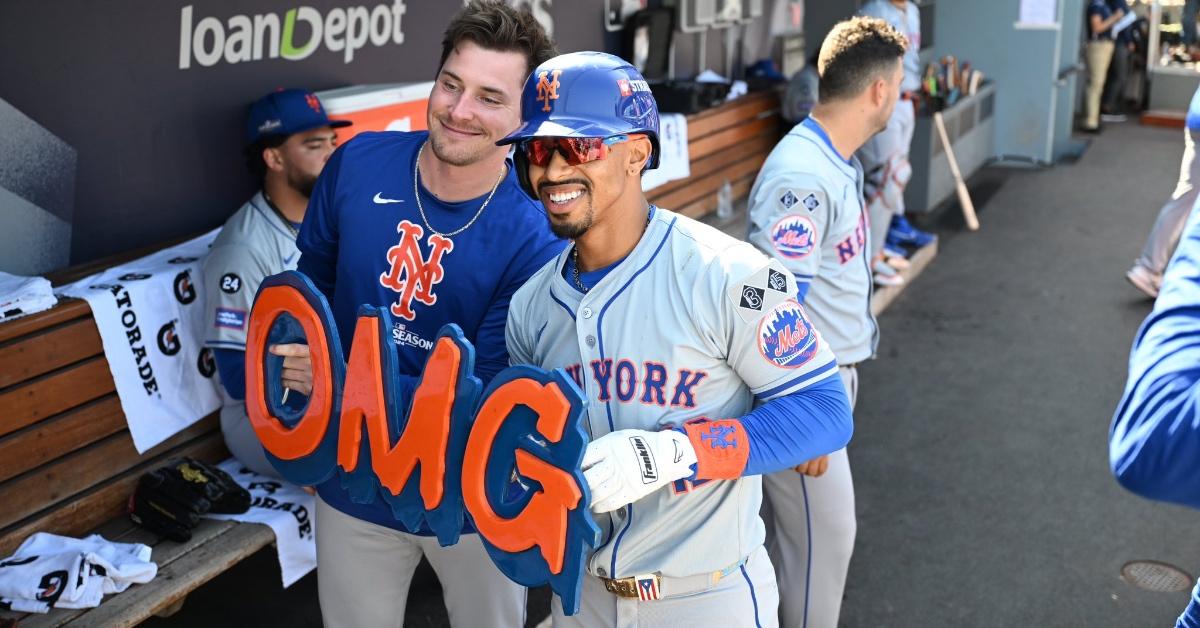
295	35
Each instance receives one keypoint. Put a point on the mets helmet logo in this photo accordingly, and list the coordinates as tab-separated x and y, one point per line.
786	337
547	89
794	236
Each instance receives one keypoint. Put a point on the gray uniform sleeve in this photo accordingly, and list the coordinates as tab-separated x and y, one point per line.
519	349
772	344
790	214
232	274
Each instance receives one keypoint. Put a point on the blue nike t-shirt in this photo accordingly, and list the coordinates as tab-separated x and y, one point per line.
364	241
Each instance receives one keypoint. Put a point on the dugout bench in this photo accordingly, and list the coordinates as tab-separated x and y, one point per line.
68	464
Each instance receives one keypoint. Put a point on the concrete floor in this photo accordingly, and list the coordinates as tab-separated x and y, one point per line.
980	454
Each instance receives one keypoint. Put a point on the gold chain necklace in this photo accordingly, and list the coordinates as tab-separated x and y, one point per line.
421	208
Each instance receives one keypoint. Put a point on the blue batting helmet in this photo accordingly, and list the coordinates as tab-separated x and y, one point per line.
587	94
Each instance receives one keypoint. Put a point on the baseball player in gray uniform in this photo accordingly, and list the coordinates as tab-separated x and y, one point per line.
885	156
673	331
806	211
289	139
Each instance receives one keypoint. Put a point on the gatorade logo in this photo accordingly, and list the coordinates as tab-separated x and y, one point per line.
295	35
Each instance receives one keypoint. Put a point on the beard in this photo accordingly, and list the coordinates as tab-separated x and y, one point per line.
302	183
456	155
573	230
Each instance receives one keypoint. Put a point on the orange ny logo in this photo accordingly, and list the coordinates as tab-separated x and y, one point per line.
547	89
313	103
412	274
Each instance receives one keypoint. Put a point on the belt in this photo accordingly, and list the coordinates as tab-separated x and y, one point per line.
909	95
654	586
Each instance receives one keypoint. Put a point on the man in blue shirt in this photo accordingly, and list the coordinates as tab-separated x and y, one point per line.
1100	17
434	226
1154	443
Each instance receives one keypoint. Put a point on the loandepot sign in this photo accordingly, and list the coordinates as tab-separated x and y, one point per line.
294	35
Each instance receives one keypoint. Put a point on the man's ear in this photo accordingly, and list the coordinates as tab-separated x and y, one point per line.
879	91
640	149
273	159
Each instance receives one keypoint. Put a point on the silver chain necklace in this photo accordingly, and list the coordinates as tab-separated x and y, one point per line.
575	257
421	208
284	219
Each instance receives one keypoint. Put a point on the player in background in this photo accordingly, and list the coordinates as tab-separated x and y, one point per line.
433	226
1154	442
885	156
289	139
673	330
806	210
1146	273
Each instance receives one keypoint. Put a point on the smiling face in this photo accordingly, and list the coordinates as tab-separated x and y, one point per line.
475	102
580	197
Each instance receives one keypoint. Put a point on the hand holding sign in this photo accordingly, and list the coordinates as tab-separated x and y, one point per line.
438	449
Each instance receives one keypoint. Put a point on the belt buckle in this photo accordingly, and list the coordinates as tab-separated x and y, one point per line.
646	587
621	587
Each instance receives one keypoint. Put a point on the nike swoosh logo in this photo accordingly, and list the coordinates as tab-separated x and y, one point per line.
379	200
289	259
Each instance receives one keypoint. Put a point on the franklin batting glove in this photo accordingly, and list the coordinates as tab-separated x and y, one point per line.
624	466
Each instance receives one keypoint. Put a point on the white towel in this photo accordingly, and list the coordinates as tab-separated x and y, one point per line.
64	572
21	296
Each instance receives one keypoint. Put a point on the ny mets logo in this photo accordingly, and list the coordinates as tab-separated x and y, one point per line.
313	103
411	273
785	337
794	236
547	90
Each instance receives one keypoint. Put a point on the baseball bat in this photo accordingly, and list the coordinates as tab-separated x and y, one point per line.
964	196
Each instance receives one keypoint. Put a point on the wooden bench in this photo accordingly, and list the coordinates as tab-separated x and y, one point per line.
725	143
68	464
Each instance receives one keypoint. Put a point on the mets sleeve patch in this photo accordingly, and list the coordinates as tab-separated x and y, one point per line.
794	236
786	337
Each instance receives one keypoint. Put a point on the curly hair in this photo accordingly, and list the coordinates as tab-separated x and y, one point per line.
855	53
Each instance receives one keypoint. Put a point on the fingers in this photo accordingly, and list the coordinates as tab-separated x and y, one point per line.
289	350
603	483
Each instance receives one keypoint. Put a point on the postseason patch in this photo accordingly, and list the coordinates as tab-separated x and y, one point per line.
752	298
776	280
230	318
788	199
811	202
794	237
786	337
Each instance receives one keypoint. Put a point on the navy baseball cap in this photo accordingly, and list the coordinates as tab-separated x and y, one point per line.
287	111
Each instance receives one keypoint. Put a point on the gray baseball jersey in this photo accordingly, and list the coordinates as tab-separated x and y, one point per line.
806	210
908	22
254	243
692	323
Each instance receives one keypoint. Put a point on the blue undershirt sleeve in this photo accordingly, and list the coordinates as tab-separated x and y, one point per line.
1154	442
789	430
231	364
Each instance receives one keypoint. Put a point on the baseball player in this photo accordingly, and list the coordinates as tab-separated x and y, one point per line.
289	139
806	211
433	226
885	156
1146	273
673	331
1155	437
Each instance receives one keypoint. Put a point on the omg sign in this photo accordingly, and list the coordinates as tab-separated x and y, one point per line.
508	456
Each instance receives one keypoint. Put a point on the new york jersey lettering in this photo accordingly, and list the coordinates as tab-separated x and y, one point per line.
648	383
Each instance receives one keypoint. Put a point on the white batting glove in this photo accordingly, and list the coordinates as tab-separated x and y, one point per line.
624	466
